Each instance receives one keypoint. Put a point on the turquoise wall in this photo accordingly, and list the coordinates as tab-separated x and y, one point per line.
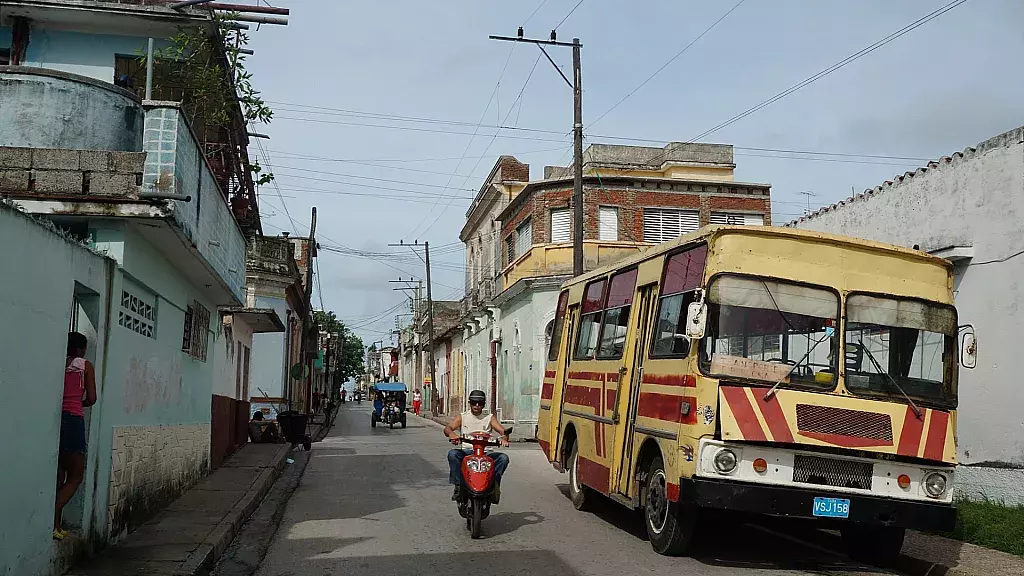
80	53
268	350
149	381
38	301
522	356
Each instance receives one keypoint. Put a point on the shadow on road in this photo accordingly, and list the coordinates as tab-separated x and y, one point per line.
736	541
439	564
506	522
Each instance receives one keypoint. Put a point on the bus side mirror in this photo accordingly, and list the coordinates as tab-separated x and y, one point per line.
696	317
968	347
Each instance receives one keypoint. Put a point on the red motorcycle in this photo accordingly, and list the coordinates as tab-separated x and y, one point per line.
477	490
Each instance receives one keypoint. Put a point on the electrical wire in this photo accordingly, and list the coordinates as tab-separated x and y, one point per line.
811	79
569	14
670	61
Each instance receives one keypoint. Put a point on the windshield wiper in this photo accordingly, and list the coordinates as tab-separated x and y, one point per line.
771	391
917	411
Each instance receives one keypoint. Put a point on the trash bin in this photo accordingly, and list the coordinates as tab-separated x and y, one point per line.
293	426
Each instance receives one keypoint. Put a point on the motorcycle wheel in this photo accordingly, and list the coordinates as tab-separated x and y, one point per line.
391	425
476	518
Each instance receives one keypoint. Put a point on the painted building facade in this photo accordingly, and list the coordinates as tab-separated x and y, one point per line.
965	208
130	180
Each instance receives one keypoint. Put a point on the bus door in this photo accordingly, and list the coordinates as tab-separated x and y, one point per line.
630	376
561	378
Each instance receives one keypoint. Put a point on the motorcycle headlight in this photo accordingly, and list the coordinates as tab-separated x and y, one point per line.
478	465
935	484
725	461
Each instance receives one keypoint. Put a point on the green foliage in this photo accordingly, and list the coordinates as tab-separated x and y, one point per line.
991	525
210	88
351	364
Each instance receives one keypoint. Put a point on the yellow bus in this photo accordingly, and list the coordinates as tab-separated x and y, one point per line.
761	370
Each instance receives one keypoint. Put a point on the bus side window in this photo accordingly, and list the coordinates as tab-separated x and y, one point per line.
616	315
684	272
556	327
591	315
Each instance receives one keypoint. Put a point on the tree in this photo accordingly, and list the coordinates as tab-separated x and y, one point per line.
351	364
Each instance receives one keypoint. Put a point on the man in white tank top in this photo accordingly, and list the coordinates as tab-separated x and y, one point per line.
466	423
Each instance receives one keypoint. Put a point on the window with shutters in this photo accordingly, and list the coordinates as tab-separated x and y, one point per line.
735	219
664	224
196	334
510	249
524	238
560	225
608	223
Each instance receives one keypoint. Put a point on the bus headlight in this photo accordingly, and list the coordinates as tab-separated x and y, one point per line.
725	461
935	484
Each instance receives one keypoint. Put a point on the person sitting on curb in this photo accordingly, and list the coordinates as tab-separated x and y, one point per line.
262	431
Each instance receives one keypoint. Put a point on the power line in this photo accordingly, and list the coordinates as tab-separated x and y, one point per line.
569	14
534	13
807	81
273	182
493	138
670	60
472	137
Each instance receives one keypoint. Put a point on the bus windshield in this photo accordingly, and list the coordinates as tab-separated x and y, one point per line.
770	331
896	343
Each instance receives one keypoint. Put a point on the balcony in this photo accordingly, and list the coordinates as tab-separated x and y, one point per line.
556	259
272	255
82	152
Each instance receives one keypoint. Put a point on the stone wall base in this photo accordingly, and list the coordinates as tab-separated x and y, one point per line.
150	467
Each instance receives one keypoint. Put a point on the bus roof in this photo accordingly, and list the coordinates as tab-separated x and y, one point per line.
708	233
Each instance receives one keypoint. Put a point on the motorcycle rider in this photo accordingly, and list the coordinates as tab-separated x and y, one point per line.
474	421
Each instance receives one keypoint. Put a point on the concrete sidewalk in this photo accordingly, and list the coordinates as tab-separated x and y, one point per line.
188	536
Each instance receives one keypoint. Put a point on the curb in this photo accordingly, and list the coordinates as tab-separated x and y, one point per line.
202	559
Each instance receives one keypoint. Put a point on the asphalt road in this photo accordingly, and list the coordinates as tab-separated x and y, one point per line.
376	502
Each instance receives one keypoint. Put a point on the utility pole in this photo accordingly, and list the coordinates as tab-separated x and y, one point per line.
303	346
430	320
577	136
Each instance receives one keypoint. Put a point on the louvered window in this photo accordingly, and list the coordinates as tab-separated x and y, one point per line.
733	219
662	225
524	238
608	223
560	225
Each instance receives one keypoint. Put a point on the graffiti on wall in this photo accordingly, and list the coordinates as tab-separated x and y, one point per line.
151	382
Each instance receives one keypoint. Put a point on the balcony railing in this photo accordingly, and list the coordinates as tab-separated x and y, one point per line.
273	255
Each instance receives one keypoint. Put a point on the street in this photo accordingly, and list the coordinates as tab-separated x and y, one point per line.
376	501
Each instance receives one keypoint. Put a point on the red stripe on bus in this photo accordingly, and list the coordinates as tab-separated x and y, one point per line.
910	436
591	376
546	447
584	396
936	444
743	412
547	391
610	400
775	418
683	380
594	475
666	407
549	373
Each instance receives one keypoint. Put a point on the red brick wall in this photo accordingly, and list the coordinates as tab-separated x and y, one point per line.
630	203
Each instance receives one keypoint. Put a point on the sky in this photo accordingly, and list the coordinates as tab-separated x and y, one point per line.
340	72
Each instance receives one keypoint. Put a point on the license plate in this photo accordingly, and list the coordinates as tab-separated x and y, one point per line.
832	507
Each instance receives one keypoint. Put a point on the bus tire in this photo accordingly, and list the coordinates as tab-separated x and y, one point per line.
670	526
581	495
873	544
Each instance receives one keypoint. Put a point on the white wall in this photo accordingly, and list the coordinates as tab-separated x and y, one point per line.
973	199
226	352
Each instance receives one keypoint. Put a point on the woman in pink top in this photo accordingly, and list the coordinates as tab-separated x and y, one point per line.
79	392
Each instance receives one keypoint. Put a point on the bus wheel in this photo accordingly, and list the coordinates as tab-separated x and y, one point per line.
579	493
669	526
873	544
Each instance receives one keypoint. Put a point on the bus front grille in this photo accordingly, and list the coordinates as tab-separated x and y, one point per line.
831	472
